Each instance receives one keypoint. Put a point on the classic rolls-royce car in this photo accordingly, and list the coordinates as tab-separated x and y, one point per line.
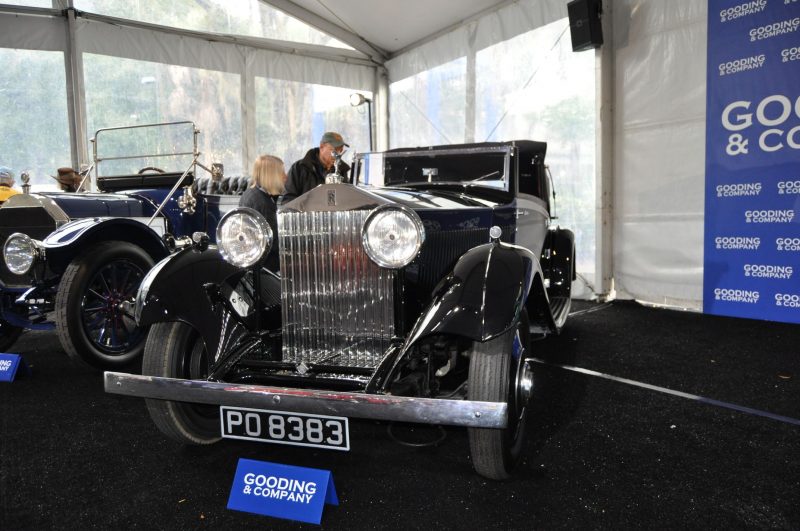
408	296
73	261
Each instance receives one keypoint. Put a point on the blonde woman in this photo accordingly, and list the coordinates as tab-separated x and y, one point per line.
269	177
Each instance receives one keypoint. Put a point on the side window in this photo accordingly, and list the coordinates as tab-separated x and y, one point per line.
533	178
528	177
542	181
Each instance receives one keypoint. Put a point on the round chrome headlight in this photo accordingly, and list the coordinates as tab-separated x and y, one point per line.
243	237
19	252
392	236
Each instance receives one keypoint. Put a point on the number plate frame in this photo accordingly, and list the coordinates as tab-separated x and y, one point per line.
240	430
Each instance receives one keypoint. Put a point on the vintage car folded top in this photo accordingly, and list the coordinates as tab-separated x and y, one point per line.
409	296
73	261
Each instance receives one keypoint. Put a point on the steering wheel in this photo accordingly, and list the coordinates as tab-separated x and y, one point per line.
151	168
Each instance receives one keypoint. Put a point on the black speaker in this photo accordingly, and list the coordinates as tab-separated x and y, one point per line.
584	24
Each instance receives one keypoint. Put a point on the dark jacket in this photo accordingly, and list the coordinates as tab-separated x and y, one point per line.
259	200
308	173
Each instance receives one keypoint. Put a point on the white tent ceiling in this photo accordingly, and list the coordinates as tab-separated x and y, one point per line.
382	28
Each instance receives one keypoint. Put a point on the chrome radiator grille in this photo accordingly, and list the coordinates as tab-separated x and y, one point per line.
34	221
337	304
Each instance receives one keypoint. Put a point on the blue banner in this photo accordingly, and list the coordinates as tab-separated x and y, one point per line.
752	201
284	491
9	365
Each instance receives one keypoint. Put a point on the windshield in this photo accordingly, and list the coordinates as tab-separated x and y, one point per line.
127	150
487	167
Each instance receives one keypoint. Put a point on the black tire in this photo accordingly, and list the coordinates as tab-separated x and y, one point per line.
176	350
94	305
8	334
492	378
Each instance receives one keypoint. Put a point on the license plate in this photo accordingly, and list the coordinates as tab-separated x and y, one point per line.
280	427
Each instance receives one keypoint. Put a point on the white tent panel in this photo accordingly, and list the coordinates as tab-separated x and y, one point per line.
658	239
147	45
32	33
446	48
492	28
310	70
659	170
93	36
391	25
516	19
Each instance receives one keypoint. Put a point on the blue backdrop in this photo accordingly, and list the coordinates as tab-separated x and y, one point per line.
752	202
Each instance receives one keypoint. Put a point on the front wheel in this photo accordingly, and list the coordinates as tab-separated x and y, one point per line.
498	373
176	350
94	305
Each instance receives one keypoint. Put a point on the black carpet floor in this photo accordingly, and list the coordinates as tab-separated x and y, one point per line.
602	454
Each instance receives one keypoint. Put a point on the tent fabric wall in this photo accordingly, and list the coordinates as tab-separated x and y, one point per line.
659	153
490	29
92	36
150	45
32	33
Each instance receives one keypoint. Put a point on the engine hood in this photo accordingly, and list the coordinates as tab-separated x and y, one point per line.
337	197
24	205
84	205
432	199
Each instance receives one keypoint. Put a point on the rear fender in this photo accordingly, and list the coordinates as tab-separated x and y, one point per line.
558	256
558	264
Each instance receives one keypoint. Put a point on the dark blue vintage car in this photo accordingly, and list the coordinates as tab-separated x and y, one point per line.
410	296
73	261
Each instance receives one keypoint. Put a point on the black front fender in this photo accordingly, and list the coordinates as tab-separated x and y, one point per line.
72	239
219	300
483	296
177	289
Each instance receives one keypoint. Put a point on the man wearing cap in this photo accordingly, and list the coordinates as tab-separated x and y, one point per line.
310	171
6	183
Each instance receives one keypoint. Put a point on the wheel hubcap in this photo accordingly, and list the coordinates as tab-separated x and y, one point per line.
524	383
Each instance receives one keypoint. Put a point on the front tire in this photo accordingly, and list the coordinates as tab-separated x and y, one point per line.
492	377
176	350
94	305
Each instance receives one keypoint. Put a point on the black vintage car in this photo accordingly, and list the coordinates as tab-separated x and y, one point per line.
410	296
73	261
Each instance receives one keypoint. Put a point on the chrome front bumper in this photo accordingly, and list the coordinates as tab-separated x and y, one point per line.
358	405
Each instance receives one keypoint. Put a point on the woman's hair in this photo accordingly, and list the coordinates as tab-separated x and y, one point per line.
269	174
